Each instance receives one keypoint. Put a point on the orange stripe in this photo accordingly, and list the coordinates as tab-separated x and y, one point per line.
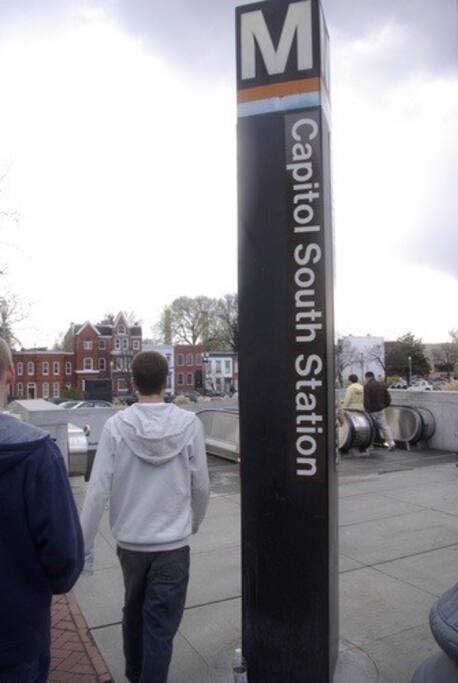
265	92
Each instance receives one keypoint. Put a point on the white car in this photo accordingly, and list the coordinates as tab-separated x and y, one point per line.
421	385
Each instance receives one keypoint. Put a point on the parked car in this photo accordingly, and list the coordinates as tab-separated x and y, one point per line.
69	404
421	385
98	403
400	384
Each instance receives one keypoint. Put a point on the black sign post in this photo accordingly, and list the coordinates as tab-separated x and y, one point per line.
286	353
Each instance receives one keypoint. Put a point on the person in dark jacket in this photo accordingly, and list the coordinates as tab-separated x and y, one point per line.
41	545
376	399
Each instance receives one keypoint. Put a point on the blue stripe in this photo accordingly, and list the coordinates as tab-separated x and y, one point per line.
307	99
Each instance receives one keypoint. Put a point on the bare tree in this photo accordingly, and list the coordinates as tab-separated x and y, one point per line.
191	320
11	314
445	358
227	322
376	353
346	356
6	216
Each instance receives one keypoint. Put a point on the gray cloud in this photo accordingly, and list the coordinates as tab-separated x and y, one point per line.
198	35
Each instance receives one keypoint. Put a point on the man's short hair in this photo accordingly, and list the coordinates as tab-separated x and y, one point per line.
150	371
5	356
369	375
353	378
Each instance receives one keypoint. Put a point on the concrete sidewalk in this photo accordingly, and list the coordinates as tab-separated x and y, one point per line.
398	552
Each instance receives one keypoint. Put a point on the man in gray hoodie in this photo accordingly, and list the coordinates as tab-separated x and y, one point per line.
151	465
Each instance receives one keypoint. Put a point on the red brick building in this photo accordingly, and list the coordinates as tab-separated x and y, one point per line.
41	373
104	352
188	368
91	352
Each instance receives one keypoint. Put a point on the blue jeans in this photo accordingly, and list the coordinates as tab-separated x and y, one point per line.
155	594
34	672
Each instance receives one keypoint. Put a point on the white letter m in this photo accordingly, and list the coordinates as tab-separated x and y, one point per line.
298	23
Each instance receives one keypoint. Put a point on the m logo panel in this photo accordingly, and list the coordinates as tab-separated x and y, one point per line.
255	32
277	42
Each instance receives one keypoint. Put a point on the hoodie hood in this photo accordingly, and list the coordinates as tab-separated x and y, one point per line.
17	441
156	432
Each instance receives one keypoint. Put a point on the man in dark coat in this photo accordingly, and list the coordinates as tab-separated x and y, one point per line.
376	399
41	547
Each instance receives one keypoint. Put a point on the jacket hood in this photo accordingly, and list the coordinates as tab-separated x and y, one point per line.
156	432
17	441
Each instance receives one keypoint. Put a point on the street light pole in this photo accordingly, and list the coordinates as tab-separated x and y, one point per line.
204	371
410	370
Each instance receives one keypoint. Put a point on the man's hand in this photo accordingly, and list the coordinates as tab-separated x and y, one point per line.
88	564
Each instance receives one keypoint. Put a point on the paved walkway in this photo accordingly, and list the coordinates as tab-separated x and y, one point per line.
74	655
398	517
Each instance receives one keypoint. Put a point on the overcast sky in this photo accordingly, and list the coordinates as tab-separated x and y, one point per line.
117	136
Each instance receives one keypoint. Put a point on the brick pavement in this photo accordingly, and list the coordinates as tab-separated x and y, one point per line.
74	655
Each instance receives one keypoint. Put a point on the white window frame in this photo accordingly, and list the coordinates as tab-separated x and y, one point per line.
30	368
45	389
180	359
117	344
180	379
121	329
20	368
136	344
119	365
102	345
102	364
45	367
56	389
91	363
189	383
125	344
88	345
32	385
189	360
56	367
68	367
20	390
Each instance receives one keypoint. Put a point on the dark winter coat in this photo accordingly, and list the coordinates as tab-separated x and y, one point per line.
376	396
41	547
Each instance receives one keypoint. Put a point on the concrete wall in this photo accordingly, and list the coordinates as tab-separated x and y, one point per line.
55	419
444	407
47	416
95	418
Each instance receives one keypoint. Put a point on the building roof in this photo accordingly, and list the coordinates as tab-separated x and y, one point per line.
106	330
